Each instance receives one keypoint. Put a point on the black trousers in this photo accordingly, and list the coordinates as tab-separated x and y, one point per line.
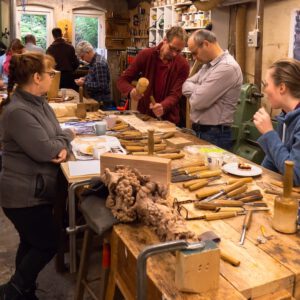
38	240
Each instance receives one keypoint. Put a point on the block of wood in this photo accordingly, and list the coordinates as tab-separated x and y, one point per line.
198	271
178	142
158	168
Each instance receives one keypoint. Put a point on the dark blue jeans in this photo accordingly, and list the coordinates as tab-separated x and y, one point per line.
219	136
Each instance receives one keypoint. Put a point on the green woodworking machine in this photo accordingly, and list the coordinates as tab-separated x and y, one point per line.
244	131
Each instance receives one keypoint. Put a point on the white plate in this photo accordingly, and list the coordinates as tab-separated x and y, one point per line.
232	168
86	149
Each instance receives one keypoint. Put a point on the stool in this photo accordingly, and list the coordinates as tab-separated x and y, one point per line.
99	220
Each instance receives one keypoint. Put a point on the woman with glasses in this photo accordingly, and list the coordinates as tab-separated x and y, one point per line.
282	89
33	146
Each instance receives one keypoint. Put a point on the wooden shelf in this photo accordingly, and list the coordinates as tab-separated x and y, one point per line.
119	21
193	28
140	36
183	4
112	37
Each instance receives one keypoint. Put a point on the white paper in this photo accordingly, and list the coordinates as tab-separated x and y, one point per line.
81	168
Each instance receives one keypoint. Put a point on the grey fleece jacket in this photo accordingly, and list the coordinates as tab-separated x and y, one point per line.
31	137
279	149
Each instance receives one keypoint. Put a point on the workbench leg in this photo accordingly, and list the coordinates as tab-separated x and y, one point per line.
111	286
59	211
84	264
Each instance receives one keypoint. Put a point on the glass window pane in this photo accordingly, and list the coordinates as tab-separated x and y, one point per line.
36	25
86	28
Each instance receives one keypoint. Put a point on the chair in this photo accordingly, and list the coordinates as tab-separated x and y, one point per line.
99	220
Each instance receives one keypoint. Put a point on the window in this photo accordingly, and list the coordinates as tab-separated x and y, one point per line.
89	25
37	21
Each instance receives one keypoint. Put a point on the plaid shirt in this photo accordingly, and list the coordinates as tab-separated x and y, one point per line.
98	78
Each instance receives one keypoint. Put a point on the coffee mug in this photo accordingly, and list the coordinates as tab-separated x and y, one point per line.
100	128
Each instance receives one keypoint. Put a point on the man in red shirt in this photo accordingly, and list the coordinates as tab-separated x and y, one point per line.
166	71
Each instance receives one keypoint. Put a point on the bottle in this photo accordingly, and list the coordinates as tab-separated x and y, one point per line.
286	207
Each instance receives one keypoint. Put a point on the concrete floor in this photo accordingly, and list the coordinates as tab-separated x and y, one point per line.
51	285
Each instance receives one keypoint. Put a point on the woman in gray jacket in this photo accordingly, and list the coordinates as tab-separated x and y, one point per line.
33	146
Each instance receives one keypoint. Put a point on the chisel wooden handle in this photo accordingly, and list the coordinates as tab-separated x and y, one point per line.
198	163
247	194
205	206
225	209
195	169
228	258
280	184
190	183
233	186
220	215
152	100
245	180
171	155
198	185
150	142
237	191
252	198
230	203
208	191
248	219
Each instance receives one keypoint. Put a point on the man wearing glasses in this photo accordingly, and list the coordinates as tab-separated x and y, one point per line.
214	91
166	71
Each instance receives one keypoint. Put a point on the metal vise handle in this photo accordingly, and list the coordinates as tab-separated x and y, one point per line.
156	249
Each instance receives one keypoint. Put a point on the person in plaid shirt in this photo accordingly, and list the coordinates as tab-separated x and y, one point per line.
97	81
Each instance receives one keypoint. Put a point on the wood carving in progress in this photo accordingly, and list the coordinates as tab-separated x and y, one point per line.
133	197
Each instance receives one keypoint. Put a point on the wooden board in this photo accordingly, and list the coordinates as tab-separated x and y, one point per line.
178	142
158	168
138	124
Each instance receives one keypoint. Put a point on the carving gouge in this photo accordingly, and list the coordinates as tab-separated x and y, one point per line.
246	225
223	191
152	100
205	174
217	216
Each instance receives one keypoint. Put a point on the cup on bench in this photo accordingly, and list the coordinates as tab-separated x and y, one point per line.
100	127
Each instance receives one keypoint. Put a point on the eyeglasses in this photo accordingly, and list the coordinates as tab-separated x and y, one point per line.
51	74
174	49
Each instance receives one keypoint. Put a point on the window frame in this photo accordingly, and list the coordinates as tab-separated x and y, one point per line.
36	10
100	14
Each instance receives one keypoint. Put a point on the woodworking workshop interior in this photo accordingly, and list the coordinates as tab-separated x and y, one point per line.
149	150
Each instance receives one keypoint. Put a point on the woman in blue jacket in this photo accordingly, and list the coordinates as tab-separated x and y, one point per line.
282	88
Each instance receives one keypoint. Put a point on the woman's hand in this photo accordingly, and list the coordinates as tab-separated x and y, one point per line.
262	121
61	157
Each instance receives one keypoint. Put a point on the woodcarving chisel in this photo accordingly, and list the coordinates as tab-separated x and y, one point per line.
246	225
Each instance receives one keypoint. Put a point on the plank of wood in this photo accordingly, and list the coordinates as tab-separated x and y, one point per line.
158	168
178	142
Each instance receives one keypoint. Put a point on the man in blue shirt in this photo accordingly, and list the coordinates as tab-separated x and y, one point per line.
97	81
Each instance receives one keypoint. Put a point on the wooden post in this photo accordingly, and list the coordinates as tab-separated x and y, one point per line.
259	49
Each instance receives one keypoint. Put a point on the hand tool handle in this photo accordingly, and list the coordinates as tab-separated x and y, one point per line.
228	258
248	219
237	191
250	193
208	191
171	155
228	203
219	216
225	209
198	185
288	178
196	169
152	100
233	186
245	180
205	206
252	198
207	174
190	183
150	141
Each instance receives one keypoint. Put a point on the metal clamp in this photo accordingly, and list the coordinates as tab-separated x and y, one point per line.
156	249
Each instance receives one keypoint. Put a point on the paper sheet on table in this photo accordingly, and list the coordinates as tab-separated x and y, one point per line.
87	167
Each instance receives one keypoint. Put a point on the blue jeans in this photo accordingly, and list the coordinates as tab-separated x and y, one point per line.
219	136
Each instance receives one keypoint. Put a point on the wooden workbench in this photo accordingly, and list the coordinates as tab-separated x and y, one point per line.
267	271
